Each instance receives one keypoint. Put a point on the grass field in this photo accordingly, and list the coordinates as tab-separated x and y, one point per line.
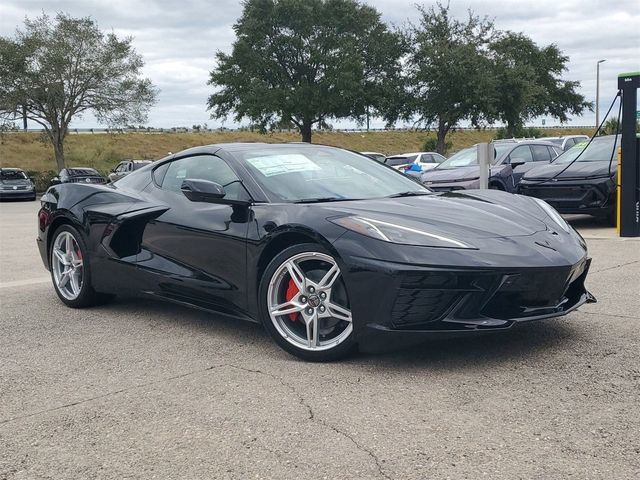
30	152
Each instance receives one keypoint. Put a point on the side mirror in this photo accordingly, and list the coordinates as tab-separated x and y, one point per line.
55	181
516	162
202	190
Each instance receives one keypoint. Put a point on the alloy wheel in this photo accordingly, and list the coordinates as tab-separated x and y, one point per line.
67	265
308	303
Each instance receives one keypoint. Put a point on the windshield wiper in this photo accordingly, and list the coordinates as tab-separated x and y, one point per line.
322	199
412	193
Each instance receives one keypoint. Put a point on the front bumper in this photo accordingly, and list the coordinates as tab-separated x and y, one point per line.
403	304
17	194
589	196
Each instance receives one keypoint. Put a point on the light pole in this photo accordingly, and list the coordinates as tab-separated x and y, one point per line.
598	91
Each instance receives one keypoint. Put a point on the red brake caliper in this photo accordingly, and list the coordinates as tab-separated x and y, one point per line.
291	292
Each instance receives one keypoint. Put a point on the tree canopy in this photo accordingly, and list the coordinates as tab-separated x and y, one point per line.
448	73
58	68
530	83
307	61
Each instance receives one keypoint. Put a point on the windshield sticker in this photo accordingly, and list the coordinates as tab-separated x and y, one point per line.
271	165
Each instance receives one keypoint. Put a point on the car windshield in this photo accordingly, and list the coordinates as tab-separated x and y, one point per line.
76	172
600	150
295	174
12	175
400	160
469	157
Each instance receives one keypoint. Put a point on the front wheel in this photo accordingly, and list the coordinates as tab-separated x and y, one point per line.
70	271
305	306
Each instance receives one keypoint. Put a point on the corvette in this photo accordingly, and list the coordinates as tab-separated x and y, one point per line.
328	249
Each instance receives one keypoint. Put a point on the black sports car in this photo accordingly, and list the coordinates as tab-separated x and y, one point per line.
78	175
588	185
327	248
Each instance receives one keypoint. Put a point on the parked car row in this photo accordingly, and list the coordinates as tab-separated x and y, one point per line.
16	184
568	172
512	160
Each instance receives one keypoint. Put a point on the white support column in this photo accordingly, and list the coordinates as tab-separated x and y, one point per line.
485	157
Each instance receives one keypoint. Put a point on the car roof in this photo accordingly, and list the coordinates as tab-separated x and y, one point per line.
11	169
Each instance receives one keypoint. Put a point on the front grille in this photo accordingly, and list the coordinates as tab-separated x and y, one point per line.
413	307
426	297
528	294
578	196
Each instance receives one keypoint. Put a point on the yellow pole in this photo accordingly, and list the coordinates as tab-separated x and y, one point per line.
618	184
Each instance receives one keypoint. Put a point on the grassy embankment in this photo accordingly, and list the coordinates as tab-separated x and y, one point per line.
104	151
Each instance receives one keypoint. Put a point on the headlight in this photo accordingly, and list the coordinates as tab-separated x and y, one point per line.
553	213
393	233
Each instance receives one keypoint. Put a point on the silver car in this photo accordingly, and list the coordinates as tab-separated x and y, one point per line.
126	167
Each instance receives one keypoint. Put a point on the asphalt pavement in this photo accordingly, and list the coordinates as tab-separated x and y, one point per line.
141	389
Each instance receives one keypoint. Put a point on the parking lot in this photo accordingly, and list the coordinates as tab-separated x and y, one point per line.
140	389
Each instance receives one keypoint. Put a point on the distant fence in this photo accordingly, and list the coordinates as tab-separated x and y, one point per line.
98	131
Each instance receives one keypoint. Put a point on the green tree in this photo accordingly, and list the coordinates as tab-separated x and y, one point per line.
58	68
530	83
448	75
305	62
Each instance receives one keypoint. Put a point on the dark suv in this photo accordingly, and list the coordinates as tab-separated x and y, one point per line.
581	180
512	159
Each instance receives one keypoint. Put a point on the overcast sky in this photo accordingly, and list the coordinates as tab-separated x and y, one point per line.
178	39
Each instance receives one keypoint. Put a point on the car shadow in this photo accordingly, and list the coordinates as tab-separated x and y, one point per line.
524	342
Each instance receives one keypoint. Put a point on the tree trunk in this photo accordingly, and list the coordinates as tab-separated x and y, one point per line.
57	139
24	118
442	134
58	149
305	130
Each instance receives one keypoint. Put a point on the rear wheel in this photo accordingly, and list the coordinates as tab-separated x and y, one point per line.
305	306
70	271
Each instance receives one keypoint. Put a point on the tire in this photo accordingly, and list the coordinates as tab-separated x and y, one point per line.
322	302
496	186
80	271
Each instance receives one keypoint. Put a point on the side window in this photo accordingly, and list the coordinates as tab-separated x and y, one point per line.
439	158
540	153
553	152
202	167
119	168
427	159
521	154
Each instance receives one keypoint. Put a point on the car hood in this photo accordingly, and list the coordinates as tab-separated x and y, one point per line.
576	170
456	174
466	215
